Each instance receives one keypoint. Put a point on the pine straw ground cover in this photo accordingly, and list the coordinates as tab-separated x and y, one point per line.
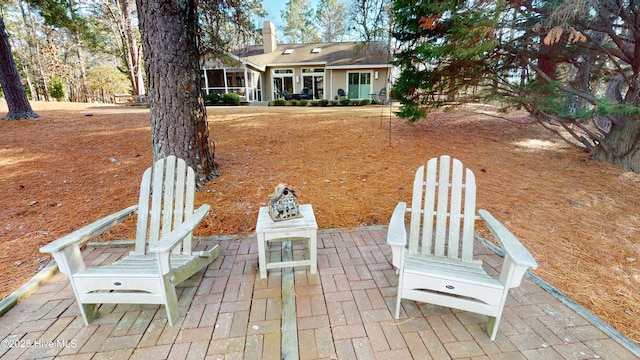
579	218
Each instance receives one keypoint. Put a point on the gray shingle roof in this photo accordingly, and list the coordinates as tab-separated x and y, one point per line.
330	54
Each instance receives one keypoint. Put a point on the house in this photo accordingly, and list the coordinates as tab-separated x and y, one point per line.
271	71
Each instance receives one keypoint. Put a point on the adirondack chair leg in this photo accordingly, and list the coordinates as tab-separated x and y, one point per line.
494	321
399	297
398	304
170	300
89	312
492	326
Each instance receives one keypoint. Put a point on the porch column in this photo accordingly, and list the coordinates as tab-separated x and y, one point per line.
226	86
246	86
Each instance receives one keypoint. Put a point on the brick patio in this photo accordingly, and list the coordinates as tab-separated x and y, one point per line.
343	312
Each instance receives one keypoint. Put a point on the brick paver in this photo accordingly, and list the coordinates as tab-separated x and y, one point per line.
343	312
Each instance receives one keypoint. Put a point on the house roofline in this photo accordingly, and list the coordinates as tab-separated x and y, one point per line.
347	67
330	67
247	62
321	63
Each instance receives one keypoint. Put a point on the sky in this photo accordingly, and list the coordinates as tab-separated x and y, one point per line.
274	7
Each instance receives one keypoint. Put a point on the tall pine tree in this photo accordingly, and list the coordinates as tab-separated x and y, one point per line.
445	47
332	20
573	65
300	27
19	106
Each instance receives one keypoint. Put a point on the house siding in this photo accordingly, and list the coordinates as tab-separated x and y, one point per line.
332	80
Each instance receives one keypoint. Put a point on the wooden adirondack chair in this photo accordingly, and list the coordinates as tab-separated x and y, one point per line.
437	266
163	254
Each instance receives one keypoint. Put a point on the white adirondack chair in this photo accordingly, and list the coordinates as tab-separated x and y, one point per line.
437	266
163	254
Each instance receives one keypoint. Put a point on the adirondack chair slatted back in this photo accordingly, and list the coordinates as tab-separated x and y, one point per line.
166	201
443	210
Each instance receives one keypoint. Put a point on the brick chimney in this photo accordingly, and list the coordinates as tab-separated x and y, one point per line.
269	37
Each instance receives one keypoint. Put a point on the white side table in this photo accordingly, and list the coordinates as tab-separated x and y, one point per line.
304	227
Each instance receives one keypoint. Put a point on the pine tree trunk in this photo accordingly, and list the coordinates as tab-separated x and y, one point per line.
547	57
621	145
19	107
451	93
178	115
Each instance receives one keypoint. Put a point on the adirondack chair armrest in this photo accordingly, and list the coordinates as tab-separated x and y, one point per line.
168	242
517	257
89	231
66	250
397	234
509	243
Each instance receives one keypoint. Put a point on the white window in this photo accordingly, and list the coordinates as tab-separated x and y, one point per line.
313	79
282	82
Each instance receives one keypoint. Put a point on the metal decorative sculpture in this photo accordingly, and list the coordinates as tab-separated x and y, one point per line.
284	205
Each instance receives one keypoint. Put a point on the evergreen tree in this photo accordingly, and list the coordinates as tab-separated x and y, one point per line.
331	16
228	24
118	17
571	64
300	27
19	106
445	47
67	14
